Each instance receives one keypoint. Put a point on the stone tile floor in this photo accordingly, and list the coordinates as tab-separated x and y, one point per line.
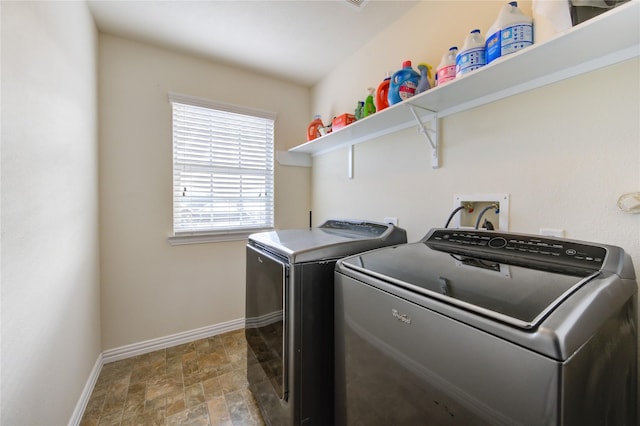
197	383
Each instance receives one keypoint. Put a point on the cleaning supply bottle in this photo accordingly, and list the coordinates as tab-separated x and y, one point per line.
512	31
382	93
315	129
369	107
425	75
446	71
403	84
550	18
359	111
472	56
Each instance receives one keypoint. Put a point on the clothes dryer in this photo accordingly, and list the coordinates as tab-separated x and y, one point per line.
289	314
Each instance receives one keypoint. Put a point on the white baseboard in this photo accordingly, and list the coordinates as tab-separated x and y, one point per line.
128	351
76	416
147	346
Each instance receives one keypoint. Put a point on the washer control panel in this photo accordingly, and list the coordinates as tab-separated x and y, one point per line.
507	245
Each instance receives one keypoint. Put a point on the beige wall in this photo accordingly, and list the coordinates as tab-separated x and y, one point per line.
151	289
49	274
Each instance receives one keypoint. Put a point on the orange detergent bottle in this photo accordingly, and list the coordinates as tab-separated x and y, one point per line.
315	129
382	93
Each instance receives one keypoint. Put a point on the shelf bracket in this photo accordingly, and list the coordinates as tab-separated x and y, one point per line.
350	163
431	133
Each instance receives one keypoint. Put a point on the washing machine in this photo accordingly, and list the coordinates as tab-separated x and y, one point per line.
471	327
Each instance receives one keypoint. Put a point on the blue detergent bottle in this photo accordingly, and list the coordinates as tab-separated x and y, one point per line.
403	84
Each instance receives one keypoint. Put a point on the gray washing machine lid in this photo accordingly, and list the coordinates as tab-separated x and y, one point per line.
511	281
333	239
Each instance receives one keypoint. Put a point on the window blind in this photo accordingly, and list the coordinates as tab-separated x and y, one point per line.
222	167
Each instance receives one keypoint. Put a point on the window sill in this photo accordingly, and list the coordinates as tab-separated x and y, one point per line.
217	237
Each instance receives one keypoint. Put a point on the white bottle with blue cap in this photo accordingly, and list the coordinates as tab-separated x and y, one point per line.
512	31
472	56
446	70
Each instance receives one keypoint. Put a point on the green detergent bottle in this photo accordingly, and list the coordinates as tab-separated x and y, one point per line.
369	107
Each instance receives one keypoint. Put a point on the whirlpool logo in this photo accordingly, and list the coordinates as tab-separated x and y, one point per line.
400	317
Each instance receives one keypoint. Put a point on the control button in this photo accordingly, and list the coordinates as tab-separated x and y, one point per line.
497	242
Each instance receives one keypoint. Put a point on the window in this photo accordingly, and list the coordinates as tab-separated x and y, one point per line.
222	170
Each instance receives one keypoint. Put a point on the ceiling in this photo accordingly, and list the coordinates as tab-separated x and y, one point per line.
295	40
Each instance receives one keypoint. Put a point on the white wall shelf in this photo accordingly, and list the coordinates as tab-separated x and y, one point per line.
602	41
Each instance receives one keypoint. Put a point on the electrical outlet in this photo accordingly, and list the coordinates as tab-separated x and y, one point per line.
391	220
485	206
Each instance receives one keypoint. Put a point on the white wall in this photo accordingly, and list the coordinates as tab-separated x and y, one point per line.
49	241
149	288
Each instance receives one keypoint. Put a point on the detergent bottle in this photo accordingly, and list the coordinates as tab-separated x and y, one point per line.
382	93
403	84
446	71
550	18
359	111
369	107
425	75
472	56
512	31
315	129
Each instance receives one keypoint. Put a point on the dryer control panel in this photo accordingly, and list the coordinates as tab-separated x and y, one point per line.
368	228
526	248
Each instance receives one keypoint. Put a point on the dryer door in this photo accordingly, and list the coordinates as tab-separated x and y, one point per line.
266	323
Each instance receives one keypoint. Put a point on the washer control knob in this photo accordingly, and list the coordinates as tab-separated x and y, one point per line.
497	242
